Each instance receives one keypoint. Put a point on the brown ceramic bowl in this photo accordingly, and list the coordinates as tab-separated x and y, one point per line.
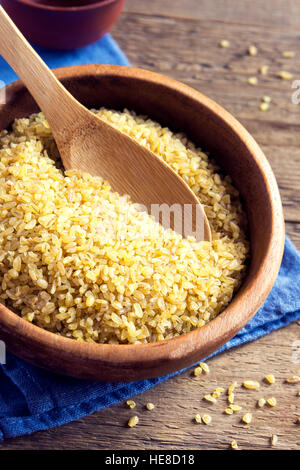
47	24
182	109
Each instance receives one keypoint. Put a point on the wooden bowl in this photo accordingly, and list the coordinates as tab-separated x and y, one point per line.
49	24
182	109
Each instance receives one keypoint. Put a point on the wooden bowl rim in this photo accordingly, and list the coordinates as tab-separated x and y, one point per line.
40	6
245	302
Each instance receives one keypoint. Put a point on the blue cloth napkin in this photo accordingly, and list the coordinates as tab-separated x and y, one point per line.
32	399
105	51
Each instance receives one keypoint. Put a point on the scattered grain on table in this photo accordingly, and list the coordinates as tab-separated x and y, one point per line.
224	43
133	421
261	402
204	367
251	384
234	445
271	401
131	404
197	371
294	379
247	418
218	391
285	75
231	388
270	379
210	398
252	80
266	99
264	69
150	406
206	419
235	407
252	50
230	398
288	54
264	106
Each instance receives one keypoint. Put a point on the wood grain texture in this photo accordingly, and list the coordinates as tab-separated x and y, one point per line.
170	425
183	43
282	13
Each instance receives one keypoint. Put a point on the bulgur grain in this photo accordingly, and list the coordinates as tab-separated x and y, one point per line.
234	407
252	80
234	445
294	379
218	391
206	419
264	69
252	50
251	384
197	371
204	367
285	75
150	406
210	398
261	402
272	401
80	280
270	379
133	421
267	99
264	106
247	418
231	388
198	418
131	404
288	54
224	43
230	398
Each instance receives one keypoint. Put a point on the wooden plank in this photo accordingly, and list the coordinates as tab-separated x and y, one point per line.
170	425
279	13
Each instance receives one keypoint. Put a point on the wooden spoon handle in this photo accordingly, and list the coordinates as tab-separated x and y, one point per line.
47	91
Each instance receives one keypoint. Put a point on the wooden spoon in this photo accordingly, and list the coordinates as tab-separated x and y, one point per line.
85	142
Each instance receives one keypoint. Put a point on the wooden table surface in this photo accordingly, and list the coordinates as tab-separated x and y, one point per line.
181	39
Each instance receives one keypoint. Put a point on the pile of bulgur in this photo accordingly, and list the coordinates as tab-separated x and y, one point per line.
62	269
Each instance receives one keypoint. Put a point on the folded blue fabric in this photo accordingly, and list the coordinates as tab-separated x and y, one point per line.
105	51
32	399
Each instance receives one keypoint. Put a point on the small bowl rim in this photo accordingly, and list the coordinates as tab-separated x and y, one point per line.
66	9
182	347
